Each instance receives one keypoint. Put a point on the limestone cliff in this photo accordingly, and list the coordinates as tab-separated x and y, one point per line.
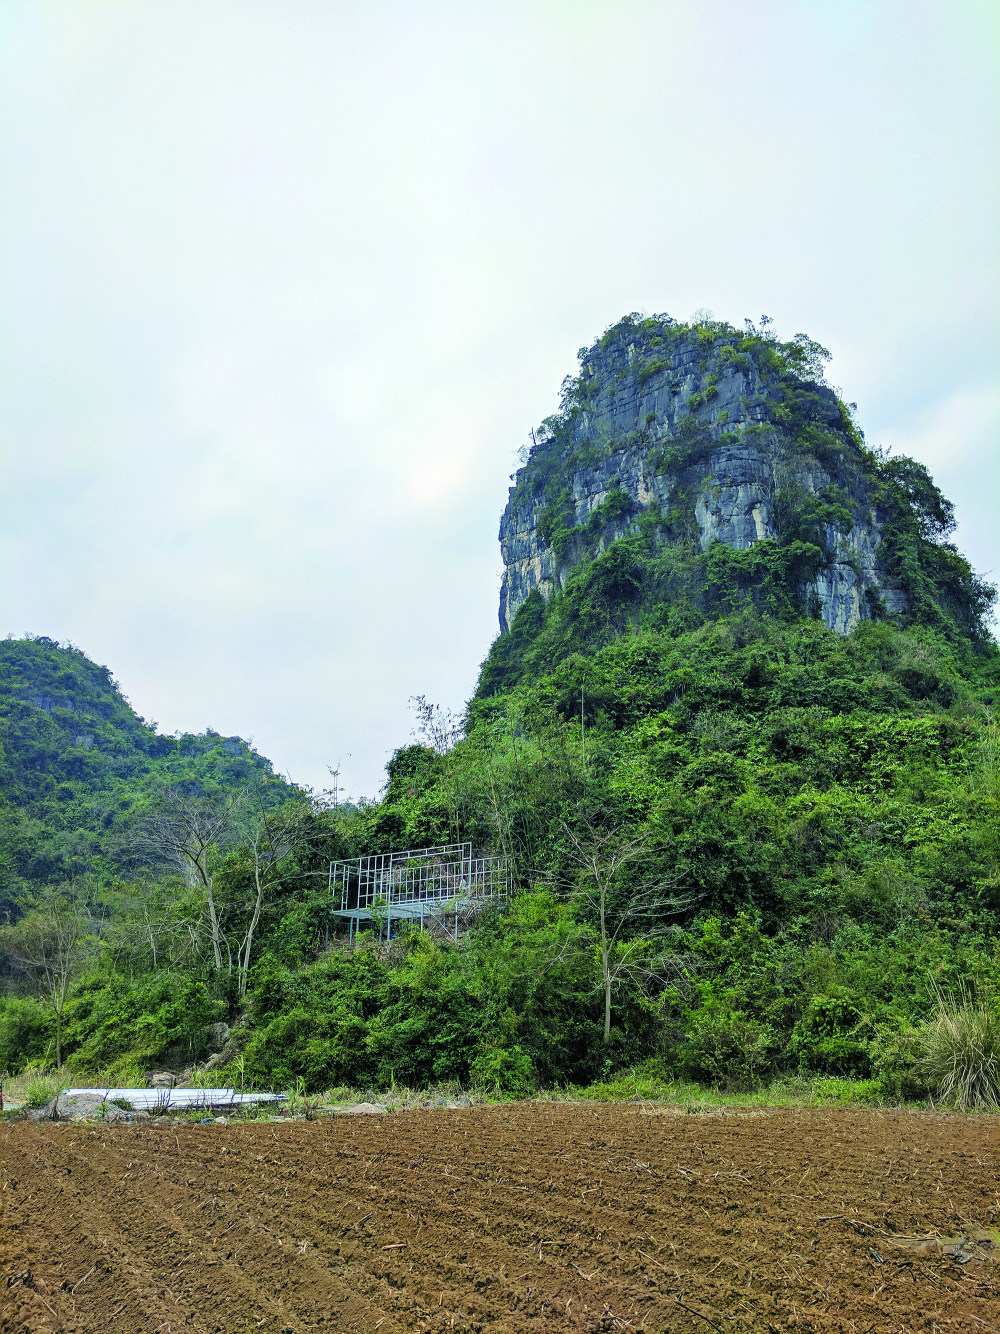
699	435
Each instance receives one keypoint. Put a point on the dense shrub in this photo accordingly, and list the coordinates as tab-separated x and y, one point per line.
27	1032
723	1045
162	1017
310	1023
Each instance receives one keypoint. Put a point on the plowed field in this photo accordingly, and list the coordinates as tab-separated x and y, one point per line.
532	1217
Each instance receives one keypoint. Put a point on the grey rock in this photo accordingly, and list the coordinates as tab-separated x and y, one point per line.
82	1106
364	1109
160	1079
739	467
217	1035
46	1113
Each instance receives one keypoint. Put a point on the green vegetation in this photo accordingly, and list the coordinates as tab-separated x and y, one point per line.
77	765
749	854
812	827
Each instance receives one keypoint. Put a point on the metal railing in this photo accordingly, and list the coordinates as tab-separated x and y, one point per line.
407	883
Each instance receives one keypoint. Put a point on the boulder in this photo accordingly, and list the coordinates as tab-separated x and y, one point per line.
217	1035
364	1108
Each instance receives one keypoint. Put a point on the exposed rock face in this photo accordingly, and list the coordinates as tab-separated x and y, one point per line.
694	427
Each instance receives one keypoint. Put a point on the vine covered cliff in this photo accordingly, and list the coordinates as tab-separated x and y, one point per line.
696	470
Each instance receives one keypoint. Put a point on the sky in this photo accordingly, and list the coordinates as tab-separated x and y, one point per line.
287	283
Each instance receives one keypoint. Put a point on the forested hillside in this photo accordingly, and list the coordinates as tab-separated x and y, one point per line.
77	764
748	839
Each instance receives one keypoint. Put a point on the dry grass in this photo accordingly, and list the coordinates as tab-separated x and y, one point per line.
960	1054
34	1088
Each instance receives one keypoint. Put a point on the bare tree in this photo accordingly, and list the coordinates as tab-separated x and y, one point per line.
271	836
184	833
148	926
599	856
437	727
52	943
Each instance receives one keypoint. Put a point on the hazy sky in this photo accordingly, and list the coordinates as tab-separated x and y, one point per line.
285	285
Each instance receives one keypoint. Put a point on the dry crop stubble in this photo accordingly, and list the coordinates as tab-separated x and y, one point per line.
531	1216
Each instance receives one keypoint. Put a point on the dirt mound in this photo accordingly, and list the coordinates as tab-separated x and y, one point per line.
504	1219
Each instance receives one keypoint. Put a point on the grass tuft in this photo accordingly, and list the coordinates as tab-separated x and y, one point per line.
960	1055
35	1088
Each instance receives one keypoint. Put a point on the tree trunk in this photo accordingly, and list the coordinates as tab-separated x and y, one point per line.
243	956
152	936
606	964
213	918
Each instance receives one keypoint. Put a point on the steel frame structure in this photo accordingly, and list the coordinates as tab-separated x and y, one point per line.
417	885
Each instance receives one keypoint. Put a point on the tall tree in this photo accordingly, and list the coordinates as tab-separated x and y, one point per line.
269	838
52	943
185	833
598	856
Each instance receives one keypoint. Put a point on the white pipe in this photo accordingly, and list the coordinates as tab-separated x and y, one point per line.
148	1099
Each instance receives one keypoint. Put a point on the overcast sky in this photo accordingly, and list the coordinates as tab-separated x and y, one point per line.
286	285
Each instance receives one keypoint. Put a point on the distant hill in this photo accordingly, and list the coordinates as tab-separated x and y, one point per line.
76	761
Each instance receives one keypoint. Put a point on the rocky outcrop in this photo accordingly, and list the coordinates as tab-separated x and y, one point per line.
695	427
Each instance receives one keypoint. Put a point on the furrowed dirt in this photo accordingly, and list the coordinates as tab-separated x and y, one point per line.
533	1217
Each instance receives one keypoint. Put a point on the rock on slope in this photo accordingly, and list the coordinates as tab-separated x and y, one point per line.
721	436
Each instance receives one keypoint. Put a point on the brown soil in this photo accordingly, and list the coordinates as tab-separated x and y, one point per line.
532	1217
